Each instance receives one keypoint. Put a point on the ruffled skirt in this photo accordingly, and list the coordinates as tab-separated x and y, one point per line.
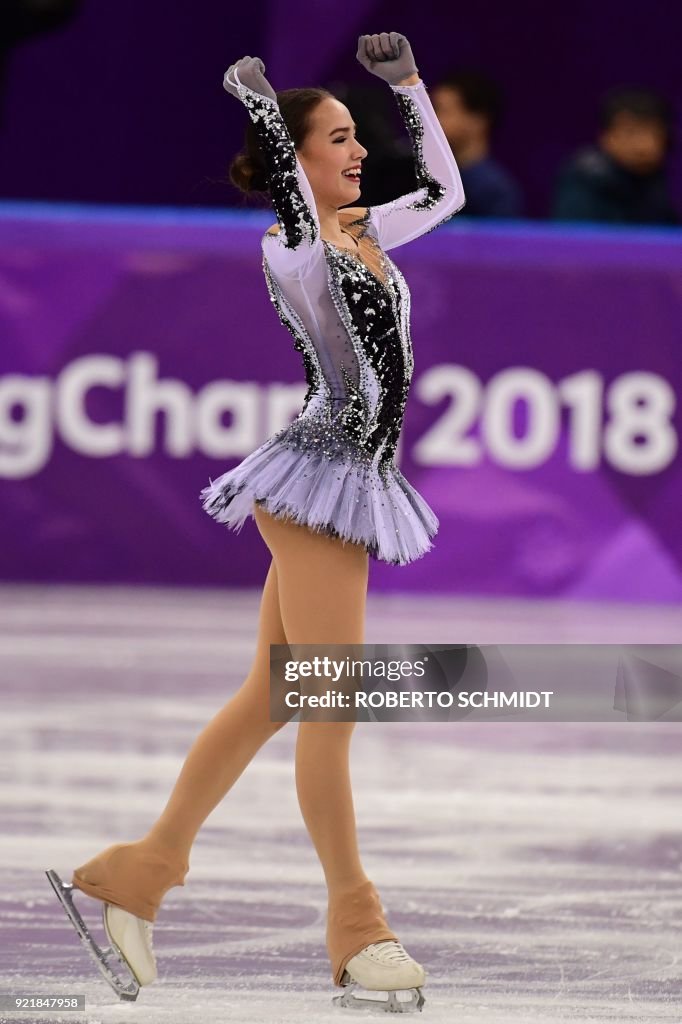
346	498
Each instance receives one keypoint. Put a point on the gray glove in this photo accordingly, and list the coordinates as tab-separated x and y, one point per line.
251	73
387	55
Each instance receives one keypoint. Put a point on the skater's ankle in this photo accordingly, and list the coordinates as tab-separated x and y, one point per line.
345	883
173	846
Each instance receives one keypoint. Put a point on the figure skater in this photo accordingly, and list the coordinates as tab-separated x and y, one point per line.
325	494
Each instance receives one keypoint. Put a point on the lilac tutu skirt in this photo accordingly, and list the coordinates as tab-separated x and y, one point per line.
349	499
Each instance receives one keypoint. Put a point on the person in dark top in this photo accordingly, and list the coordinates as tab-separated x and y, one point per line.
469	107
621	179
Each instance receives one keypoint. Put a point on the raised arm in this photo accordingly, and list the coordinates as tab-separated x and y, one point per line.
298	241
440	193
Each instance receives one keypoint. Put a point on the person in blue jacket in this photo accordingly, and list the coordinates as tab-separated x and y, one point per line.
469	108
622	178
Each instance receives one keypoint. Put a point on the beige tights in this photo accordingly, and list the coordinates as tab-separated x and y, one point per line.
315	592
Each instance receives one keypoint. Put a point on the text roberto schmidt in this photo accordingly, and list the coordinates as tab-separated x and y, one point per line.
420	699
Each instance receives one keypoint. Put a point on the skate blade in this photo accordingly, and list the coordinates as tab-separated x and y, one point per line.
400	1001
126	988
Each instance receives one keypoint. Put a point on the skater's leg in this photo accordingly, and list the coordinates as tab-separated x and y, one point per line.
135	876
227	744
323	592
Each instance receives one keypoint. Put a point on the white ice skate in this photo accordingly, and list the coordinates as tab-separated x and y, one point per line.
130	939
387	971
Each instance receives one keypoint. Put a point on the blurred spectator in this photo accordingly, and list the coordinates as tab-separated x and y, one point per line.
469	107
21	19
621	179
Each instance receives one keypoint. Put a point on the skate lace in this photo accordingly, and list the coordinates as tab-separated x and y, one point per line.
391	951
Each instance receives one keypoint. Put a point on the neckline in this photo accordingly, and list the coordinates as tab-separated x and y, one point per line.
347	248
355	253
351	235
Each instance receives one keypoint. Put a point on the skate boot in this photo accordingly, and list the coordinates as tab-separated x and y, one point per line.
365	952
131	937
391	979
131	880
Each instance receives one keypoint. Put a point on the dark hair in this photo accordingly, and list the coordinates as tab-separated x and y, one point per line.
248	170
479	93
641	103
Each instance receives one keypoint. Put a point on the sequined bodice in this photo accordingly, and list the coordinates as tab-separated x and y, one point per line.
384	279
350	322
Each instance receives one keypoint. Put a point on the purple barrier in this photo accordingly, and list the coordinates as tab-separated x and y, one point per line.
140	355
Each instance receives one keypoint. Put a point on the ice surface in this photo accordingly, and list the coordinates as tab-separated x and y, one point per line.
535	870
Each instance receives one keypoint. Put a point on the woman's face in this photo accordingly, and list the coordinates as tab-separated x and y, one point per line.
330	148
